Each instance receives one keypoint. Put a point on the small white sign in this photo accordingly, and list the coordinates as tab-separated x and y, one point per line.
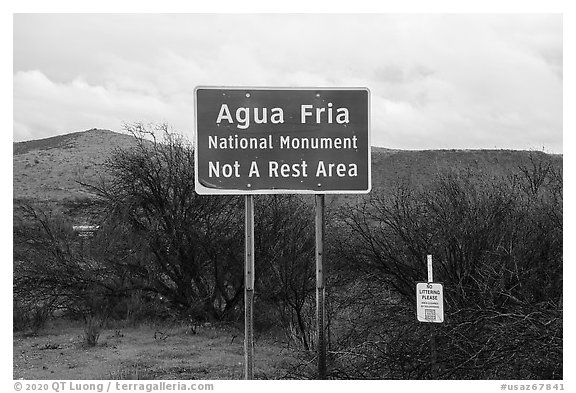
429	302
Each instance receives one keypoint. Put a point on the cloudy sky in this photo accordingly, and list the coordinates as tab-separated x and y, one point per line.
437	81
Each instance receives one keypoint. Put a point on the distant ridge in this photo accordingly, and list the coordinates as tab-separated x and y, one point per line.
50	168
419	167
59	141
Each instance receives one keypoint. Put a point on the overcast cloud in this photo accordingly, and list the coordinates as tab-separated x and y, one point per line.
437	81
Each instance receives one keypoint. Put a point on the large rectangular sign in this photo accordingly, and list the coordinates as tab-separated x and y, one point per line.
282	140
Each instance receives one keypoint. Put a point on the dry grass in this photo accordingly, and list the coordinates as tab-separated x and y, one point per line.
140	353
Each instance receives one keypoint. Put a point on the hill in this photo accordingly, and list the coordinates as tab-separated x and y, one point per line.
417	168
49	169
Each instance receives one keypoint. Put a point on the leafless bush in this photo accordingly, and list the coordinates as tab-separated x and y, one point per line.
497	248
29	317
92	329
284	242
54	270
188	246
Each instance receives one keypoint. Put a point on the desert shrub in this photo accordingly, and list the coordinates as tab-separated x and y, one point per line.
182	246
29	316
92	329
188	248
497	248
285	280
139	306
54	268
20	320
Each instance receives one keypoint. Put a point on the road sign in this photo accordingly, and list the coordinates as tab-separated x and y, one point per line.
429	302
85	230
282	140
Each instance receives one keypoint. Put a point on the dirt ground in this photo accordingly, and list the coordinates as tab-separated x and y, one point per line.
144	352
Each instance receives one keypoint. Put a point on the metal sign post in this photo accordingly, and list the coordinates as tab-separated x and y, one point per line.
430	275
320	289
433	351
249	289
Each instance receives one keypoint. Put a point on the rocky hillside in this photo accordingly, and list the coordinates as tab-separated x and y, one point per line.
50	169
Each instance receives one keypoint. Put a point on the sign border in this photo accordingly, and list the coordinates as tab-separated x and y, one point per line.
202	190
